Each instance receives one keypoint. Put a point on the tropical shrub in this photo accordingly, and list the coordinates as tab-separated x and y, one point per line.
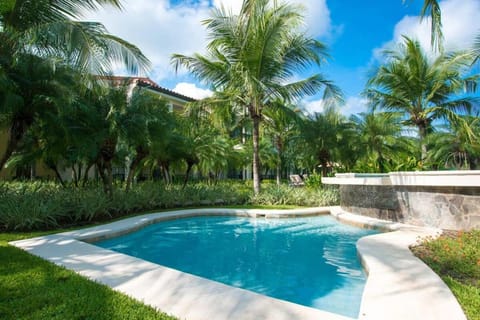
46	205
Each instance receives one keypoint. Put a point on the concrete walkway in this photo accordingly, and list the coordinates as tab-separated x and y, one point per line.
399	286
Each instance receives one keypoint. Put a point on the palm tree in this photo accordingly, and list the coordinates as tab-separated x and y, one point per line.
379	135
51	29
31	89
322	135
458	146
252	58
421	89
38	41
432	8
280	124
476	49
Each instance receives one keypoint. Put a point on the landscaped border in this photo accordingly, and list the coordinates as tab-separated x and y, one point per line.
399	285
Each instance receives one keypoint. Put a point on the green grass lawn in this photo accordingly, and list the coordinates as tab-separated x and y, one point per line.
455	256
32	288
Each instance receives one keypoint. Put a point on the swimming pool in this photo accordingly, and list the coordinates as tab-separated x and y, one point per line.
310	261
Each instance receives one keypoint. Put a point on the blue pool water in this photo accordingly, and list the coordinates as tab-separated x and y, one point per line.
310	261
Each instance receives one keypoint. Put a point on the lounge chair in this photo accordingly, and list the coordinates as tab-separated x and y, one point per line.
296	180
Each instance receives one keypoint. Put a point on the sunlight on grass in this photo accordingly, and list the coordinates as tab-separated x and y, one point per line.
455	256
32	288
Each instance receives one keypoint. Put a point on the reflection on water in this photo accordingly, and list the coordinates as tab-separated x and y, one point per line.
311	261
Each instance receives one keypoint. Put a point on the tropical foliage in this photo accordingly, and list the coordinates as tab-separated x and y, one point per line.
252	57
57	111
44	54
46	205
421	89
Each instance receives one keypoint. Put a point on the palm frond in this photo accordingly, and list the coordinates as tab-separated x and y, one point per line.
431	8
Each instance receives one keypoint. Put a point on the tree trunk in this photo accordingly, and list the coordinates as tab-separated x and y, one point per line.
109	177
279	146
75	176
57	174
142	153
381	164
101	172
256	151
107	153
165	170
15	135
422	132
85	175
324	157
190	165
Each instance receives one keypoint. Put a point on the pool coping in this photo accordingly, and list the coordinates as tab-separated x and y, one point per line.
405	289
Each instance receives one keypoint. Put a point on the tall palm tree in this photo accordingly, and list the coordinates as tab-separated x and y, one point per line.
422	89
253	56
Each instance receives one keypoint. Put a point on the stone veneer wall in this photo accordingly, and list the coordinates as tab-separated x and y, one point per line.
456	208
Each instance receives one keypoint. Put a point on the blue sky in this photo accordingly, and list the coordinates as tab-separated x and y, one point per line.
354	31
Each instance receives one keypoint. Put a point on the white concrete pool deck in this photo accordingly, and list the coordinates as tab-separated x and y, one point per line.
399	285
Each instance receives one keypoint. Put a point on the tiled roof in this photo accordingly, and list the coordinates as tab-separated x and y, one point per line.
145	82
148	83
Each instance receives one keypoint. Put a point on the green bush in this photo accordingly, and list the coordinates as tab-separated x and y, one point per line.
46	205
313	181
285	195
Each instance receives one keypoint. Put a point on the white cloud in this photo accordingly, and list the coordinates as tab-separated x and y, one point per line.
461	23
231	5
191	90
353	105
160	28
317	17
316	13
313	106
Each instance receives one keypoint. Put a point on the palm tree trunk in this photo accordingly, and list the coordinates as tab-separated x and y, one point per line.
15	135
256	152
142	153
165	167
75	176
85	175
422	132
109	179
190	165
279	146
58	175
324	157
